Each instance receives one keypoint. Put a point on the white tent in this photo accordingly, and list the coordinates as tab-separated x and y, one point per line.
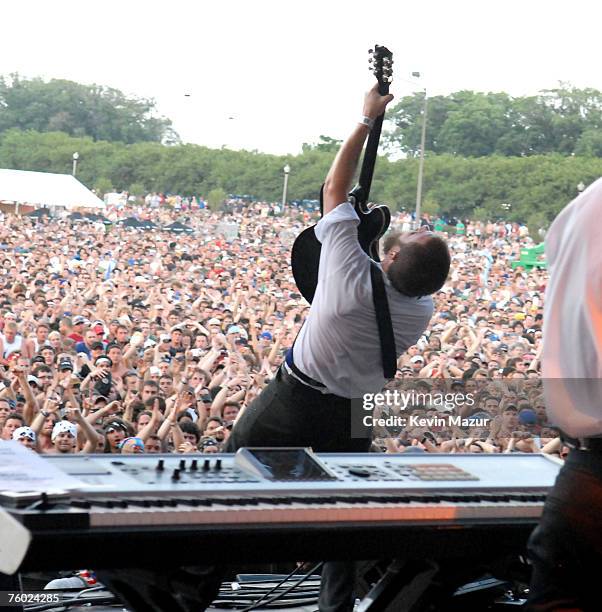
46	189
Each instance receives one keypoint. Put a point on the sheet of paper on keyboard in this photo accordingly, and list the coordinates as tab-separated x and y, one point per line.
21	469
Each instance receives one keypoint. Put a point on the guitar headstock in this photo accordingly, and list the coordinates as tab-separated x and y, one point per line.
381	65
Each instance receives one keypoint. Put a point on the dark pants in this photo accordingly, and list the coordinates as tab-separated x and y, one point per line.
289	413
566	547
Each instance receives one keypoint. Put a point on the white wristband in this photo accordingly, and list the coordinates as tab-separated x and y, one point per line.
369	123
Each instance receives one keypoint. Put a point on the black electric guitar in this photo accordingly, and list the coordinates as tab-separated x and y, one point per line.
374	220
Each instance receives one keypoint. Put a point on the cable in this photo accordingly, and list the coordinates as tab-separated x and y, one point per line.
286	591
295	570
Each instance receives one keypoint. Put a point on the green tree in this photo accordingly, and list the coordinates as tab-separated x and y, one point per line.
103	185
589	143
430	206
216	198
103	113
477	124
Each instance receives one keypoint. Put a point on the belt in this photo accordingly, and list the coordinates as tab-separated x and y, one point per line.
593	445
300	375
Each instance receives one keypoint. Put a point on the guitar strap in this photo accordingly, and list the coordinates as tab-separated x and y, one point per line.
383	321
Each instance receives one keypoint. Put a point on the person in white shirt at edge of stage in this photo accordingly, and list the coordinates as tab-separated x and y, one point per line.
566	548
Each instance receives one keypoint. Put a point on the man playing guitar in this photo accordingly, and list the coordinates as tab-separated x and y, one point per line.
337	355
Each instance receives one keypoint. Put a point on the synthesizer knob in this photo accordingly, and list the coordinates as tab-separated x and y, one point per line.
359	471
182	464
206	465
194	465
176	475
218	464
160	465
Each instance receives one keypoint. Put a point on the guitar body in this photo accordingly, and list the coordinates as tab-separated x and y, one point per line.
374	220
305	257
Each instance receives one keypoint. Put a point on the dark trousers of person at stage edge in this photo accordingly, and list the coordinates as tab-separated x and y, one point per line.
286	413
566	547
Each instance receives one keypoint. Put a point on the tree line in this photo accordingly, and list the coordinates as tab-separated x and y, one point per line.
531	189
564	120
487	155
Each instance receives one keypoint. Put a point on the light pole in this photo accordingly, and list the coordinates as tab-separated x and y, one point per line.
421	159
75	158
287	170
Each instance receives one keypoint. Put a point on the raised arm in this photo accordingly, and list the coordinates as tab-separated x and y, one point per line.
89	432
339	178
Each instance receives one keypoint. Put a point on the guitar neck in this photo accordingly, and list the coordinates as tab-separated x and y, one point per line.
362	190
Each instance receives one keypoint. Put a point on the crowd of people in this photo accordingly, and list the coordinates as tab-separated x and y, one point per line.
124	340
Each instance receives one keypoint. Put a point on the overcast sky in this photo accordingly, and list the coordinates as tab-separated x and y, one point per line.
270	75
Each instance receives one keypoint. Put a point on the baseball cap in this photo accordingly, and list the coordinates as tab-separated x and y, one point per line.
214	321
31	379
95	346
103	359
149	343
527	416
208	442
138	442
233	329
79	320
63	427
416	359
154	371
65	364
99	328
24	432
266	334
97	398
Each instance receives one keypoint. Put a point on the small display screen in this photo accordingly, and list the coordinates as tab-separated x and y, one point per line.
289	464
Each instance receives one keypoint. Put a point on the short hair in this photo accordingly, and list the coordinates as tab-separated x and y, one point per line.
217	419
190	428
16	416
420	268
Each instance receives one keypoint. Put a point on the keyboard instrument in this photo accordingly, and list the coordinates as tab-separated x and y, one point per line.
275	504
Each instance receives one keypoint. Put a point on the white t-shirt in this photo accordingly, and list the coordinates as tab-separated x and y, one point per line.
572	330
339	343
